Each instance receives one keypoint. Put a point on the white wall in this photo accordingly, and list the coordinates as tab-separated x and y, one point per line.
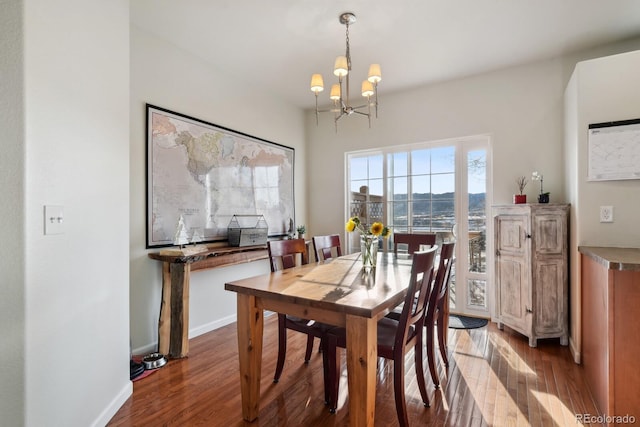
600	90
166	76
76	80
12	259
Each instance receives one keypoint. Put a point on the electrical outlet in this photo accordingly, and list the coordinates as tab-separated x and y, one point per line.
606	213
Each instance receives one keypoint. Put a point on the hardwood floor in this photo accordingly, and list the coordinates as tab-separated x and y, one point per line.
494	379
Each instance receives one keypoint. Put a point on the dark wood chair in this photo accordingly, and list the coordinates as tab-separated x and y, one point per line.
395	338
413	241
326	246
437	311
284	254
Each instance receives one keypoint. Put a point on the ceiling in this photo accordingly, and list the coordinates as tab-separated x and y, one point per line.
276	45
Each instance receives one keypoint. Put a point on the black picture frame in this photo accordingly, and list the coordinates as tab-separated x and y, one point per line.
207	173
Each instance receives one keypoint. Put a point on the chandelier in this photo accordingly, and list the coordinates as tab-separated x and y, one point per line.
342	69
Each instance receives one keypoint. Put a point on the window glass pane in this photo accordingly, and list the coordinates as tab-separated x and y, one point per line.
375	188
375	167
421	215
443	183
421	186
399	188
398	215
357	185
443	214
443	160
398	164
420	162
476	166
358	168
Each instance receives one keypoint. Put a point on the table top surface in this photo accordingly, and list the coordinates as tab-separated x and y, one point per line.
338	284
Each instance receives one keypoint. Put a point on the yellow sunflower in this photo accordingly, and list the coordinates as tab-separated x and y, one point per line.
351	225
377	228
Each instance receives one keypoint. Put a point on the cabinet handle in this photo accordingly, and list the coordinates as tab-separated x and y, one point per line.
528	236
528	310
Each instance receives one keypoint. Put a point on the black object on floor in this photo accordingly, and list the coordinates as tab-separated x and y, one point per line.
463	322
135	369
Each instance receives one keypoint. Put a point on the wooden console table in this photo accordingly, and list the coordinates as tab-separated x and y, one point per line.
173	326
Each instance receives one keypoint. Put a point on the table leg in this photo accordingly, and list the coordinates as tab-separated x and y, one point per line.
173	326
250	329
362	355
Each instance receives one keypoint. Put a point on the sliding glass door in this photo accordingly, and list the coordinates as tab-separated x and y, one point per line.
439	187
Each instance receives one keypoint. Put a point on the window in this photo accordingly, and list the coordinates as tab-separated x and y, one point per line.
438	187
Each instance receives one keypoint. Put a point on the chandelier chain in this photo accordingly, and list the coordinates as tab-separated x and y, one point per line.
348	52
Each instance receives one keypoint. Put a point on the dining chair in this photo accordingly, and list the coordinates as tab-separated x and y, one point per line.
284	254
395	338
327	246
413	241
436	310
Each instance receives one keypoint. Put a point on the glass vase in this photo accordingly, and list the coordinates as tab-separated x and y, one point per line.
369	251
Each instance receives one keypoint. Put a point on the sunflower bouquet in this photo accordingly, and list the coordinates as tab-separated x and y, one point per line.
368	239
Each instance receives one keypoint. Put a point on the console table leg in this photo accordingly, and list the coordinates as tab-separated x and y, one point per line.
173	326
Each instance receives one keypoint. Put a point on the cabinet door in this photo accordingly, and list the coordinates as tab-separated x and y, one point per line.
512	271
549	275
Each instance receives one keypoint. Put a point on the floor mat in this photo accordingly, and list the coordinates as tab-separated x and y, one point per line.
464	322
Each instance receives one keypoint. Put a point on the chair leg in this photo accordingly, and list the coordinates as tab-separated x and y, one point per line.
398	389
419	362
282	346
442	342
307	354
430	354
330	361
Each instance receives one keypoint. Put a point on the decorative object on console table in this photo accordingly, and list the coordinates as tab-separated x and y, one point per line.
542	197
520	198
247	230
301	230
368	240
181	238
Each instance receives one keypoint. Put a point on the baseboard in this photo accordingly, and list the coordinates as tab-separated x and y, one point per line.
211	326
115	405
203	329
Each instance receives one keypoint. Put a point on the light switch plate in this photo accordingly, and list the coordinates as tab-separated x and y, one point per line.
53	220
606	213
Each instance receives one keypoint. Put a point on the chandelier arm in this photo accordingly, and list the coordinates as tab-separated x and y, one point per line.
361	106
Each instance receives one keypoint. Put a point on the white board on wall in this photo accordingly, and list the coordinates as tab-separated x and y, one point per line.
614	150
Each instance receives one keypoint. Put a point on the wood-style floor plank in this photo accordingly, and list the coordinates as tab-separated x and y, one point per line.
494	379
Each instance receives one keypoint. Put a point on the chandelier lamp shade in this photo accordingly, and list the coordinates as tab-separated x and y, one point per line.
339	93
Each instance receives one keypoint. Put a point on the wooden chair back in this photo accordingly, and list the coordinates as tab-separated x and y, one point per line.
413	241
418	292
443	276
325	246
284	253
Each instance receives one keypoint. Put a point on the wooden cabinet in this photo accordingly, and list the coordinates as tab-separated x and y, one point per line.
610	334
531	270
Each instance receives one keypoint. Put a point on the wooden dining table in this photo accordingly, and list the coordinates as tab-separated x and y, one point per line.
337	292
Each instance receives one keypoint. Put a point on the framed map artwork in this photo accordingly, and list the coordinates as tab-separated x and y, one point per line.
199	175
